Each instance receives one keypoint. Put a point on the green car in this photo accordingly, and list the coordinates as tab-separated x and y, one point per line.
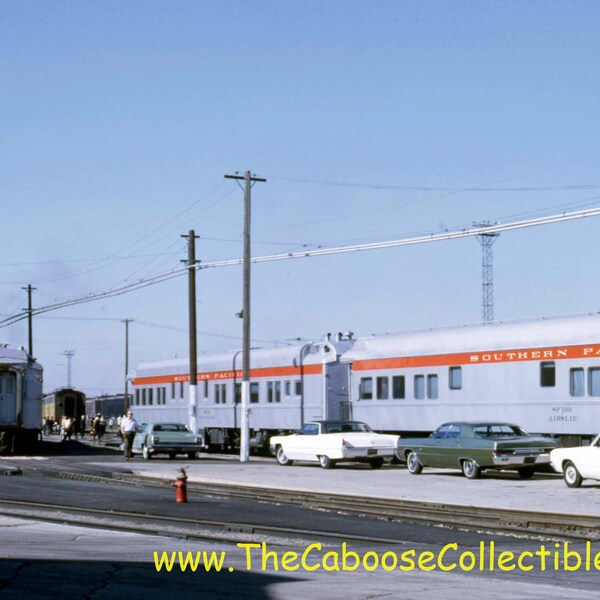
476	446
166	438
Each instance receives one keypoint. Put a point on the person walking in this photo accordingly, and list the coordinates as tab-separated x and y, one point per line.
128	427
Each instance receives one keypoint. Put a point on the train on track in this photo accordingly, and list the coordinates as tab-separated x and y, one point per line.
543	374
21	379
64	402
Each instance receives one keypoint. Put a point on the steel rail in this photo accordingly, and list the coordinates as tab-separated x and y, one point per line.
149	524
500	520
505	520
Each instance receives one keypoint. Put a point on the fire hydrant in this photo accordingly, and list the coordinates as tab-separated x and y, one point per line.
180	486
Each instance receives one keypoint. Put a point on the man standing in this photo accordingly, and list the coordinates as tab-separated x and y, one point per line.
128	427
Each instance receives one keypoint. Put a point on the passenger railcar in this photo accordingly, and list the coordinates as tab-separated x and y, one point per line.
64	402
289	385
20	399
543	374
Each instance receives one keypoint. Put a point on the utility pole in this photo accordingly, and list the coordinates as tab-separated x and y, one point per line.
193	386
29	289
245	420
487	272
126	398
69	354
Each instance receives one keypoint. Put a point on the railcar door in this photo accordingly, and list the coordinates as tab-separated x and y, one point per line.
8	397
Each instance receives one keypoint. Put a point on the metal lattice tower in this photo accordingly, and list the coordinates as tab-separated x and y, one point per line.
487	272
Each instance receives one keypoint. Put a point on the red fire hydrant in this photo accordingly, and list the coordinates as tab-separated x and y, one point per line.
180	486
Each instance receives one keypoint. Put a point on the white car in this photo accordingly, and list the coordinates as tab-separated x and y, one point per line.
329	442
578	463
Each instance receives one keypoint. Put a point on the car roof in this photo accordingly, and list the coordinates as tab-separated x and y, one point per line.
474	423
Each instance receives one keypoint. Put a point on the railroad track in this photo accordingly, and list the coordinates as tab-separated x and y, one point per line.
187	528
512	521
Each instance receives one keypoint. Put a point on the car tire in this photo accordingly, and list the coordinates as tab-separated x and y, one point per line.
281	457
470	469
376	463
526	472
571	475
171	455
192	455
325	462
146	453
413	465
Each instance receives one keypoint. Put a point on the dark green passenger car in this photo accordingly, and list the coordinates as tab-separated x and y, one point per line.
476	446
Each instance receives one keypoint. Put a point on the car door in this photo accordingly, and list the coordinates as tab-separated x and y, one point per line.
140	438
588	461
451	448
432	452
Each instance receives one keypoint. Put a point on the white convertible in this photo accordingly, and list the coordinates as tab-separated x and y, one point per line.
330	442
578	463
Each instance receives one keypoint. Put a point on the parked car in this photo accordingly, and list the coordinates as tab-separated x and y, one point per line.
165	438
476	446
578	463
330	442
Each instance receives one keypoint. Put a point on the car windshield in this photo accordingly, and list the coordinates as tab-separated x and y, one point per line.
497	430
170	427
346	427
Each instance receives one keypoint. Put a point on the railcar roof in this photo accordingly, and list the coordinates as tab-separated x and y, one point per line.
298	354
541	332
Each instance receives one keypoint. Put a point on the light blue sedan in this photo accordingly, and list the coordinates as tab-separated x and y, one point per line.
166	438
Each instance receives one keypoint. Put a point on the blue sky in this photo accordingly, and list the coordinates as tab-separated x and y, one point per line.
370	120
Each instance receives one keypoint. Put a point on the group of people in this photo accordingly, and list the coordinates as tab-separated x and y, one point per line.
70	427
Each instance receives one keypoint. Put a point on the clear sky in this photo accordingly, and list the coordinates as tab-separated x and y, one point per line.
371	121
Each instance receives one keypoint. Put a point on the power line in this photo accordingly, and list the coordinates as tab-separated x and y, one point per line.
434	237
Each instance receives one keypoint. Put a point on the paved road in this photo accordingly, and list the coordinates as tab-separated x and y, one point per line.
38	560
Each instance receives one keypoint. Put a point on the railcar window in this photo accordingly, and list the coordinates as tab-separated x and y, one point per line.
398	387
150	396
254	393
594	381
383	388
287	388
432	387
576	382
455	378
238	393
144	397
181	390
547	374
419	387
365	391
173	391
206	388
270	389
298	388
278	391
137	397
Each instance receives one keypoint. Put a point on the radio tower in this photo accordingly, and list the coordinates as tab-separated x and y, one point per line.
487	272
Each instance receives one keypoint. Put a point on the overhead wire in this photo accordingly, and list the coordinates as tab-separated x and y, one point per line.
433	237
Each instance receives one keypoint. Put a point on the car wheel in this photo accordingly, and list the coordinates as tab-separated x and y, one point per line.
572	476
413	465
171	455
470	469
376	463
282	459
146	453
526	472
325	462
192	455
